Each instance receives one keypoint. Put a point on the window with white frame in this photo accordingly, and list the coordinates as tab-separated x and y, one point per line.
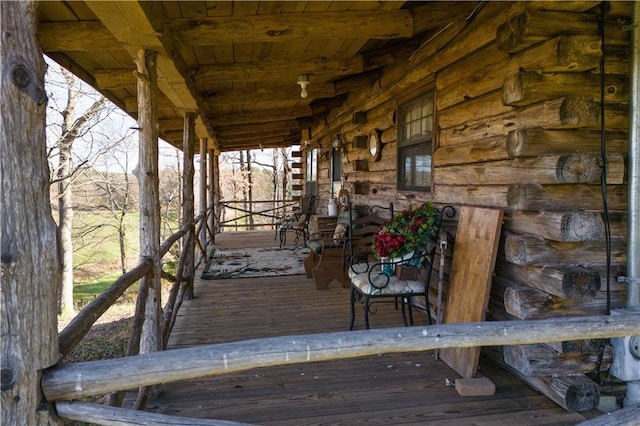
415	134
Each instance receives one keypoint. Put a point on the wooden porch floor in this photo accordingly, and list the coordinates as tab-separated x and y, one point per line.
385	389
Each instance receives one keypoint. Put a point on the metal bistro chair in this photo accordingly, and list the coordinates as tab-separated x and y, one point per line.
299	223
373	281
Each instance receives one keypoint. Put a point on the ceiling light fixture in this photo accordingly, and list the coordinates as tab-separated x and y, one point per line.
303	81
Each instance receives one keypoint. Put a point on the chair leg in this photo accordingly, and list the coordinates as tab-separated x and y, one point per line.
283	237
366	311
404	314
353	308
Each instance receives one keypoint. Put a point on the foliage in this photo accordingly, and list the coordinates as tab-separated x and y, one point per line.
406	231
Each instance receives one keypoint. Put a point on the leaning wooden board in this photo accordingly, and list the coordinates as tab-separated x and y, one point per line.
474	259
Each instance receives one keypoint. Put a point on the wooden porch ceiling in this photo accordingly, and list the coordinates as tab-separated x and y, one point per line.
236	63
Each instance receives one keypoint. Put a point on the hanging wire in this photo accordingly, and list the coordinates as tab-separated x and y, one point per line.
603	182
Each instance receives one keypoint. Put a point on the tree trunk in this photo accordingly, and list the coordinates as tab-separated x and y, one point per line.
249	190
65	222
30	264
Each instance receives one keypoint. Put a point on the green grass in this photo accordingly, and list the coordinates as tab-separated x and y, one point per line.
96	255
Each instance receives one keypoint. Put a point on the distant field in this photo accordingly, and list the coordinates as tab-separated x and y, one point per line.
96	247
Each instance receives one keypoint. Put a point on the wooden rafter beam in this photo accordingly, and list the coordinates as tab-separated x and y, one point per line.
82	36
261	116
278	69
231	130
260	95
129	25
376	24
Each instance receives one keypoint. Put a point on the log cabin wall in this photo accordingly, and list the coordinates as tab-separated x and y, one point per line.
517	107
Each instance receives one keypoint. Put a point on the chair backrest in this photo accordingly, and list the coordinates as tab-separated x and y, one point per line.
307	204
363	227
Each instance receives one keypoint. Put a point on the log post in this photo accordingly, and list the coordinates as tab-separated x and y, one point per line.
188	211
203	191
147	174
213	177
30	265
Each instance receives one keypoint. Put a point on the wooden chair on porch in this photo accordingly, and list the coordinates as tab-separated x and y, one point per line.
298	223
329	249
394	281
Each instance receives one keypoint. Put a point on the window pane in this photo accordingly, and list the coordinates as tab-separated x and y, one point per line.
416	160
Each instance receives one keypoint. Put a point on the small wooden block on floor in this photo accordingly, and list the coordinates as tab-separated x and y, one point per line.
475	386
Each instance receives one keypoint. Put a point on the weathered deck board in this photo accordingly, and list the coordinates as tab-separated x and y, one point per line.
385	389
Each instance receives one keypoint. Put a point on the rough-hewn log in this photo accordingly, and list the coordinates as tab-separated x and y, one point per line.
485	70
525	87
538	141
541	360
575	393
484	195
625	416
572	112
581	393
483	150
530	250
559	226
75	381
534	26
562	281
81	36
282	28
527	303
147	174
80	325
488	105
30	268
565	197
90	412
547	169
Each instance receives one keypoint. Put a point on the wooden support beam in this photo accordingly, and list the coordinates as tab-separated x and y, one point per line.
280	70
81	36
147	174
188	197
261	116
282	28
262	94
79	380
30	260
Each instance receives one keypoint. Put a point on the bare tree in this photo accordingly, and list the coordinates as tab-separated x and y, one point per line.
74	123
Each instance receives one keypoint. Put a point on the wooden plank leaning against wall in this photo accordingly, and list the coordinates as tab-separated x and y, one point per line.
518	112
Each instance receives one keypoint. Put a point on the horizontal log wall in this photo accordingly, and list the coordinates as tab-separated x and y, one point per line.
517	100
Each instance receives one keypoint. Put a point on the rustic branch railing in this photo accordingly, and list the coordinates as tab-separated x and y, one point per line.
75	381
276	211
75	331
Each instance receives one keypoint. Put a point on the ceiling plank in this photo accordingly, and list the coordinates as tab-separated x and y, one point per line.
286	27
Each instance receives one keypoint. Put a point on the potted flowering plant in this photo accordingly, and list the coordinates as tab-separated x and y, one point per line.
406	231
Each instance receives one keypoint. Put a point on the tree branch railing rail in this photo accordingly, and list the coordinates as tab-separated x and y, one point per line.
273	213
80	380
75	331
